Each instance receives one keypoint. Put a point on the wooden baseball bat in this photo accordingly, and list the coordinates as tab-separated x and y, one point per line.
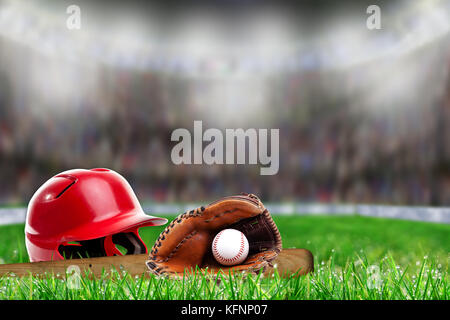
289	261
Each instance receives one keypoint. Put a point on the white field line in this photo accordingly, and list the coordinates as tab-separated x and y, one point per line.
428	214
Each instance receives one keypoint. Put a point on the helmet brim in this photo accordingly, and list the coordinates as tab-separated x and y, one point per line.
114	224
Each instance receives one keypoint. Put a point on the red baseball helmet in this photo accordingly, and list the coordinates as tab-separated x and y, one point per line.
85	213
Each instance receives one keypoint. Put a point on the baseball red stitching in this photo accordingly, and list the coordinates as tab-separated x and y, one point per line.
237	256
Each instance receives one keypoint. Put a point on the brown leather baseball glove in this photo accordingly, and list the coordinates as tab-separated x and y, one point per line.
185	245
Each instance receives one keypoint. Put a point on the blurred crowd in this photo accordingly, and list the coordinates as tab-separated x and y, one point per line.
376	132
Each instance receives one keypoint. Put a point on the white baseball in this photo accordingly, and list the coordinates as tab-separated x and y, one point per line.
230	247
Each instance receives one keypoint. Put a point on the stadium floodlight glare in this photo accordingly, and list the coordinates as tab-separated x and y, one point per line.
272	36
263	42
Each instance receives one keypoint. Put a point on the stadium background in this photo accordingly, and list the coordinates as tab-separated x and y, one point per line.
363	115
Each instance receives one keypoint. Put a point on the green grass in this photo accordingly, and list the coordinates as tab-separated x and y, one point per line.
355	258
